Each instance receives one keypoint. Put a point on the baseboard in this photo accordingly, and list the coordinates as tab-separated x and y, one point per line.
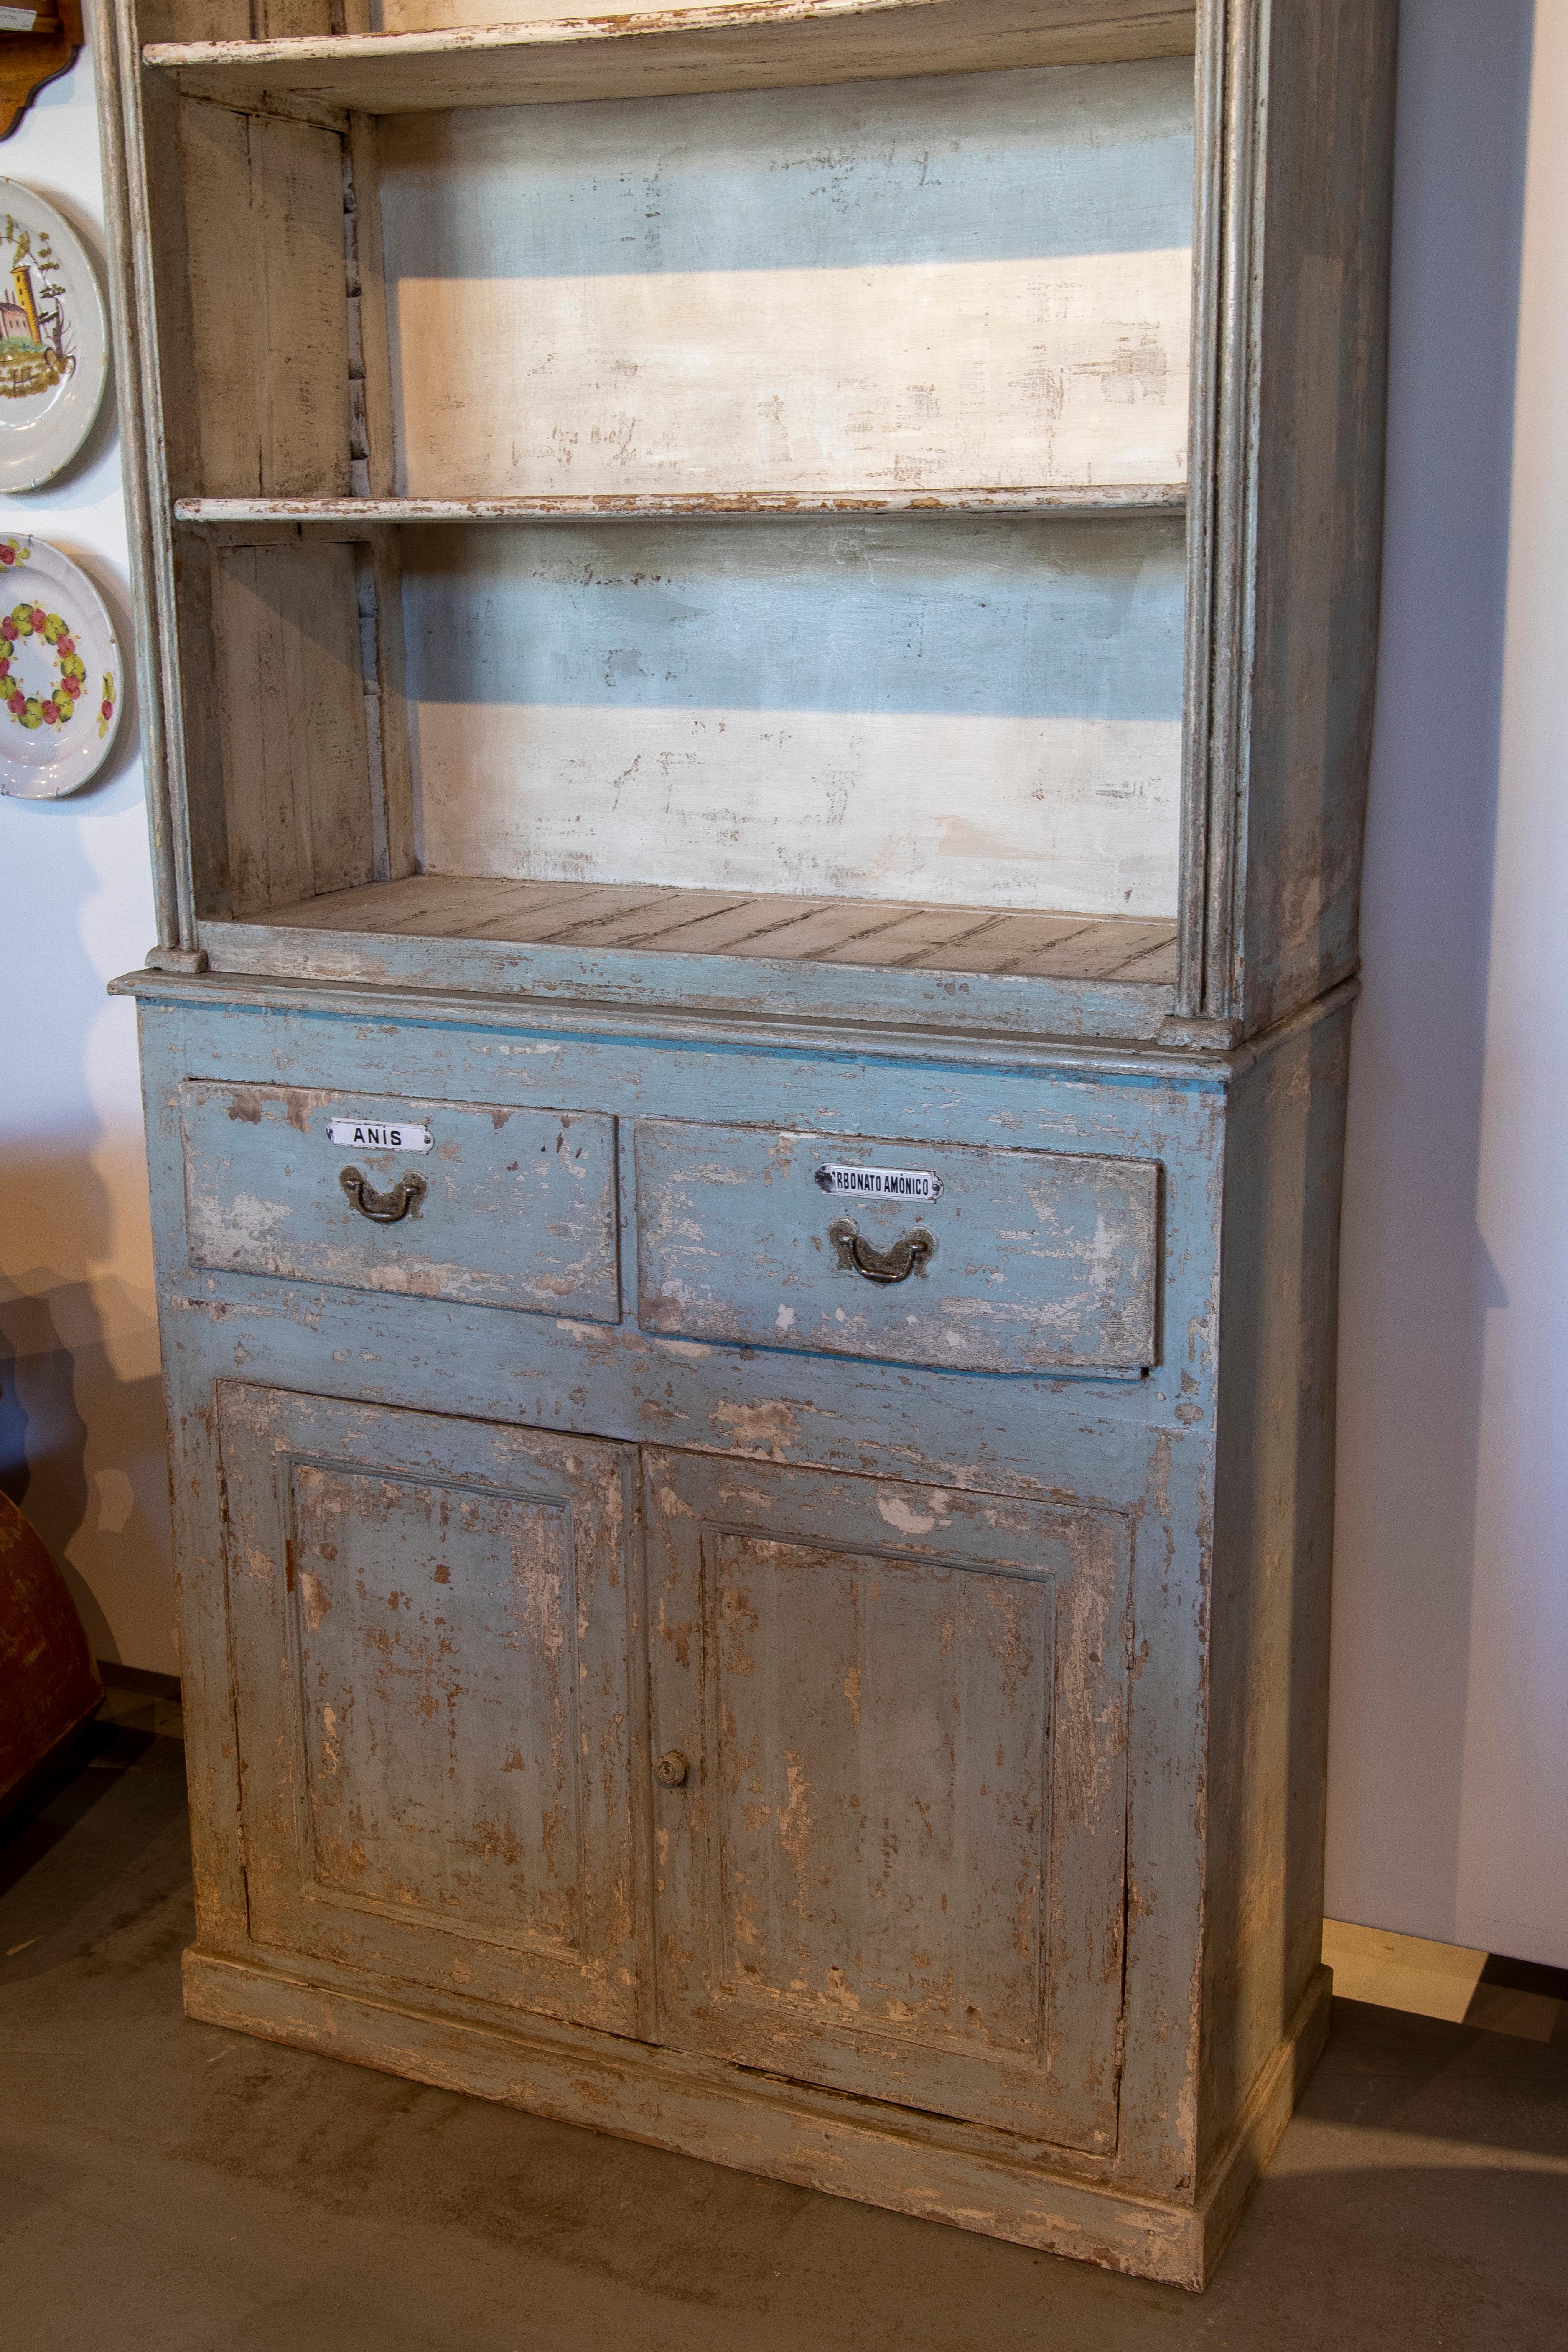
848	2148
725	2115
1264	2118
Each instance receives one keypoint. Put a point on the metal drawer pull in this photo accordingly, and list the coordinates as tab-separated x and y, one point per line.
383	1208
895	1263
671	1769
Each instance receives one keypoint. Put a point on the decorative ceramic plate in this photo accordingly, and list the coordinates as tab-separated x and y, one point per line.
59	673
54	340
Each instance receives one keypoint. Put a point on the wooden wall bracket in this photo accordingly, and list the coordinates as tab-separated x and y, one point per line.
32	55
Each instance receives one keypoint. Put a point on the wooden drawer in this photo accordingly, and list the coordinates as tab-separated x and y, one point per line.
953	1255
518	1207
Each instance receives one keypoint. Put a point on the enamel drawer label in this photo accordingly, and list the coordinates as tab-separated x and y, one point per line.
878	1183
378	1135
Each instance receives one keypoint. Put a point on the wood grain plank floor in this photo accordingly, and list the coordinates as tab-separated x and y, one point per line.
891	933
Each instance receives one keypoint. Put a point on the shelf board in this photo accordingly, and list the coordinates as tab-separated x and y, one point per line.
882	933
668	52
1073	498
717	952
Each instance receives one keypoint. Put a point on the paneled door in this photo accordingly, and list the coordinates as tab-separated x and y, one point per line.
433	1625
889	1728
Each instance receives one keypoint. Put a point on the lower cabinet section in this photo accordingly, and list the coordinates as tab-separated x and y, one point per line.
856	1778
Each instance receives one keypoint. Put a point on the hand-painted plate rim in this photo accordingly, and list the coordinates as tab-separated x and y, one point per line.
42	455
51	780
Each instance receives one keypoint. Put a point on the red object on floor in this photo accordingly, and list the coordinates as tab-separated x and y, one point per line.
47	1681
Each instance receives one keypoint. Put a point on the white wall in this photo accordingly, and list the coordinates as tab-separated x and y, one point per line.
1449	1735
1448	1777
81	1438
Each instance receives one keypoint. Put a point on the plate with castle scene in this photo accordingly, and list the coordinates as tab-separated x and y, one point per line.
54	340
60	682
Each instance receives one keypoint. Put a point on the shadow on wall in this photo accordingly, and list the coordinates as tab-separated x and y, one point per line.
81	1407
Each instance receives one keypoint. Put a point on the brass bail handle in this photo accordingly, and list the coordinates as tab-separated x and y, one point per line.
383	1208
895	1263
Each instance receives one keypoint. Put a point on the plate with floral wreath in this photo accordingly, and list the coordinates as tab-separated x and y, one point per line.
54	340
60	682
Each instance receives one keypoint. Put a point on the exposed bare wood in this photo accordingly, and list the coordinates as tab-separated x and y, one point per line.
1136	498
689	922
296	758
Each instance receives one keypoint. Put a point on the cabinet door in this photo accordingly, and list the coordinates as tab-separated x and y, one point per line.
896	1860
432	1624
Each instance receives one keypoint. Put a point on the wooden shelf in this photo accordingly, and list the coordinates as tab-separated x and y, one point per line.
884	933
669	52
1075	498
719	953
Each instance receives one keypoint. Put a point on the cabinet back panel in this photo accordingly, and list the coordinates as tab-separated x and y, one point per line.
956	282
980	713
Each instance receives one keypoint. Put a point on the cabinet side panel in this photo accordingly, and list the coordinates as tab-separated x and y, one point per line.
197	1512
1273	1537
256	390
215	385
286	20
1320	461
196	715
232	20
296	763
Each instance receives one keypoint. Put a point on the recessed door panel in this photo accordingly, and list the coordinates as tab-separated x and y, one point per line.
433	1620
890	1789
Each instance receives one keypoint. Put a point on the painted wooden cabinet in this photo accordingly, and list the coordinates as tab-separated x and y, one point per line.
757	635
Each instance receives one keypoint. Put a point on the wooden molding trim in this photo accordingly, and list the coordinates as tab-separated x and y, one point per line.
905	2162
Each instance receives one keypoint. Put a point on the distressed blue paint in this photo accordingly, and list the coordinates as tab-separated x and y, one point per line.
518	1207
969	168
1004	619
1032	1259
540	1367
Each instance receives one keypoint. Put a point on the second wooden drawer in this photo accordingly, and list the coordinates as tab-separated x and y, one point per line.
939	1253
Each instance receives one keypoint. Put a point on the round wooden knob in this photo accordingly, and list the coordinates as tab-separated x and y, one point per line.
671	1769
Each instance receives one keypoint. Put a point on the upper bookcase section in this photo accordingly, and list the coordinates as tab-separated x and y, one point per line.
886	295
404	57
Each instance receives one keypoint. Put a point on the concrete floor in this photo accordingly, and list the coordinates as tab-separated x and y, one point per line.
165	2186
